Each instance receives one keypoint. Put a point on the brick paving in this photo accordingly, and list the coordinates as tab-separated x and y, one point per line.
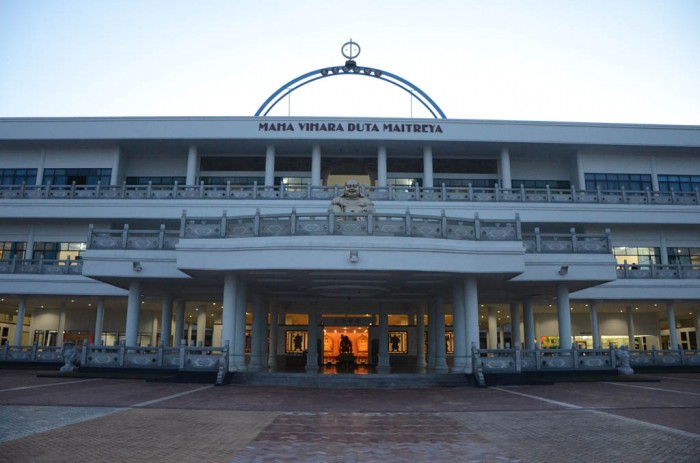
49	419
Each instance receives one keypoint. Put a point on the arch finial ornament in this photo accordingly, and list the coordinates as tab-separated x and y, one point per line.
350	51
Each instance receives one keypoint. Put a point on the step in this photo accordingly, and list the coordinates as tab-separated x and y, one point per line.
388	381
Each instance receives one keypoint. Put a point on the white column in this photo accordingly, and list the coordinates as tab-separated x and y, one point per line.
432	337
654	174
630	327
427	166
506	181
154	329
529	323
166	321
420	339
262	336
311	352
99	320
29	252
19	326
493	328
40	168
383	365
580	173
471	306
663	248
381	166
564	316
515	325
270	165
189	333
272	352
132	313
228	315
257	334
192	159
672	332
595	326
459	324
240	327
440	354
61	326
696	313
202	325
316	165
116	165
179	322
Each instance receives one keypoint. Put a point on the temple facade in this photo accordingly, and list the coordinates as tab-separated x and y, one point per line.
218	232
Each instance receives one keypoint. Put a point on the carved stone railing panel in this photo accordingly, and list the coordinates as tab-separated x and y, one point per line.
498	231
142	242
276	226
106	241
554	244
426	228
237	228
350	227
203	230
312	226
460	230
591	244
389	226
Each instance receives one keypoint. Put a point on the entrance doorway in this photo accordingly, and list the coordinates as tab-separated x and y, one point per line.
346	349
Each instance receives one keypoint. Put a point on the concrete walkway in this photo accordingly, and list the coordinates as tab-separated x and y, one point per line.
56	419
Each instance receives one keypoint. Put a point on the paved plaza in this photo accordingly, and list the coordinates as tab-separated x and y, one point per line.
94	420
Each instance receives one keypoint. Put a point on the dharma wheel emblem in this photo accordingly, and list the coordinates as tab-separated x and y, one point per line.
350	50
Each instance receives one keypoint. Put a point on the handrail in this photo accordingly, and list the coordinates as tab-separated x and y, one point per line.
42	266
467	193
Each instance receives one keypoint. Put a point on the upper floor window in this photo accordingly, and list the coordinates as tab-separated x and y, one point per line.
210	180
17	176
465	182
629	182
636	255
79	176
58	251
542	184
155	180
684	256
684	183
10	249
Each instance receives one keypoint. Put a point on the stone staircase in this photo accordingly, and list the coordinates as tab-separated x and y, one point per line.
386	381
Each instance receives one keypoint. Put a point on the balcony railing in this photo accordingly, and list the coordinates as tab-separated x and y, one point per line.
42	266
389	193
644	271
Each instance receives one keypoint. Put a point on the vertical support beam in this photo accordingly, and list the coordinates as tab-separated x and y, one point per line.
432	337
19	326
311	349
192	158
99	320
61	326
529	323
427	166
493	328
240	327
201	325
228	315
515	325
270	165
29	252
154	329
381	166
383	365
672	332
459	323
316	165
256	334
663	248
696	313
420	339
630	327
262	336
471	306
506	181
179	322
272	352
595	326
166	321
440	354
654	174
564	316
132	312
116	167
580	171
40	168
189	333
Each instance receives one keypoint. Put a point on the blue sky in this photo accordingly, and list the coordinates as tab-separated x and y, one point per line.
630	61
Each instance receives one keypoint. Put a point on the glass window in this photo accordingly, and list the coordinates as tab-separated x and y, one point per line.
637	255
58	251
542	184
684	256
680	183
234	180
79	176
629	182
155	180
10	249
464	182
17	176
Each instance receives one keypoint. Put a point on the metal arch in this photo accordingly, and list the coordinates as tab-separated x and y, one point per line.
386	76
